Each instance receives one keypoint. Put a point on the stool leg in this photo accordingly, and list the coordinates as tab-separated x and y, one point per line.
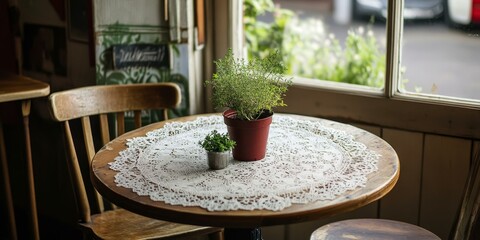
6	187
31	183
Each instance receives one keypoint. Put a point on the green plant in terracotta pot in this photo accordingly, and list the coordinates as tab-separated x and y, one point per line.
218	147
250	91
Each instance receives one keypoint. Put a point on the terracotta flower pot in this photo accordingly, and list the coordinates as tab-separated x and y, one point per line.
250	136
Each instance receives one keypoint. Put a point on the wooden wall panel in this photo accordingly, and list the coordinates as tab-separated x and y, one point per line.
402	203
445	168
274	232
372	129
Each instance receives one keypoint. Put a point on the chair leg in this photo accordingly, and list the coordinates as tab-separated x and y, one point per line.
31	183
88	235
216	235
7	189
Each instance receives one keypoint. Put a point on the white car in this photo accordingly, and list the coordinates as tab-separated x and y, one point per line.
463	12
413	9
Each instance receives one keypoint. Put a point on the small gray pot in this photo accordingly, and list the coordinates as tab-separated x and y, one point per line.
218	160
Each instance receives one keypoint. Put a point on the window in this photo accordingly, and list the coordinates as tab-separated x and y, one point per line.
440	54
345	41
395	105
316	42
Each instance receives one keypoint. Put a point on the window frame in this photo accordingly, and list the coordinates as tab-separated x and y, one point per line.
387	107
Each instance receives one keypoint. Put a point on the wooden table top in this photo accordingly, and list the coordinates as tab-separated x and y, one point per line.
378	184
14	87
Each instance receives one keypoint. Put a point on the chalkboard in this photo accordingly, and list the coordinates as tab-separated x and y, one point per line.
141	55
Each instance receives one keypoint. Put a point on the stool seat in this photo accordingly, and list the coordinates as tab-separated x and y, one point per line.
466	227
372	229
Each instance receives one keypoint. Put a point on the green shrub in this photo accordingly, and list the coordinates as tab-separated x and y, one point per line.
309	51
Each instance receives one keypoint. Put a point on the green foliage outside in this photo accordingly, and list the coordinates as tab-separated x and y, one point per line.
249	88
263	37
217	142
309	51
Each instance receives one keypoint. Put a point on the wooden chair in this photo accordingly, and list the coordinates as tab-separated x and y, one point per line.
465	228
83	103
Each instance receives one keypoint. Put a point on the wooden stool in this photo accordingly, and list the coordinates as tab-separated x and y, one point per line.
372	229
467	225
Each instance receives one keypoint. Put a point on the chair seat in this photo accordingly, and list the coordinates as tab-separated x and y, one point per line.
372	229
122	224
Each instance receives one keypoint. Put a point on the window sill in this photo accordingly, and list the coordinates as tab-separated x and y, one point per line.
374	108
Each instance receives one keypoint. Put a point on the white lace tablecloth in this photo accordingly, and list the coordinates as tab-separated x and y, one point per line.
306	161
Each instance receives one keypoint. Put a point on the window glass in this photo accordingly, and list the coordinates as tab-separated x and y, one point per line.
334	40
441	48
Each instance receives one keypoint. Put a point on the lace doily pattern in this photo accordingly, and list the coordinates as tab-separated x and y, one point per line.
306	161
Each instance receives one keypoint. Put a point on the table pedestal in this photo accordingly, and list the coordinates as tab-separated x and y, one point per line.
243	234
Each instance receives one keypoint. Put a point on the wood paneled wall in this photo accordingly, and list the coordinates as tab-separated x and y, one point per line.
445	167
432	178
409	147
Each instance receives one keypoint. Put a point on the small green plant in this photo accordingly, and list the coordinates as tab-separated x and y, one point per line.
217	142
249	88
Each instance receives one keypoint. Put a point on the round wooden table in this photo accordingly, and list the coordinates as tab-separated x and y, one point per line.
379	183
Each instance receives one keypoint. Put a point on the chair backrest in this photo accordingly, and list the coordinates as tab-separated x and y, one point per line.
467	225
86	102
